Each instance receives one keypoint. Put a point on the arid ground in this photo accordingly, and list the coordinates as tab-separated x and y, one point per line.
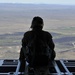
15	20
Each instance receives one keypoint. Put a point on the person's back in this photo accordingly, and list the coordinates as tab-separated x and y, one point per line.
37	25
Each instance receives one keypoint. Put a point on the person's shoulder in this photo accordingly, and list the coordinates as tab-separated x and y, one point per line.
27	32
47	33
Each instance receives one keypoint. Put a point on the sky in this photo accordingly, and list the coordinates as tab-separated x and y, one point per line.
64	2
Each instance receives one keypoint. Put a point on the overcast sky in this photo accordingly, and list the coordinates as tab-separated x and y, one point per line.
69	2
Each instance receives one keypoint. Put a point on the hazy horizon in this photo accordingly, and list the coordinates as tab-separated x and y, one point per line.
63	2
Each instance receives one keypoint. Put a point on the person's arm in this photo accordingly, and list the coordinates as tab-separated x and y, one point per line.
22	60
22	54
51	45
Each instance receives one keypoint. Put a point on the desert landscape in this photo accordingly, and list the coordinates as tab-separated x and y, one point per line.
15	20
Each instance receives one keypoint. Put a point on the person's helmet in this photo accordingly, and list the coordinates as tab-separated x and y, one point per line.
37	22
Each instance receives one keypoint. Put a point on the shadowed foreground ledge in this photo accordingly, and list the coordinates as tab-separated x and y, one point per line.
58	67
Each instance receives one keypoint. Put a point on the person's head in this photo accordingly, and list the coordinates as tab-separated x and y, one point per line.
37	22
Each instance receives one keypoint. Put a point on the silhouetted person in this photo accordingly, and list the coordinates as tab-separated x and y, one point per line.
36	26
